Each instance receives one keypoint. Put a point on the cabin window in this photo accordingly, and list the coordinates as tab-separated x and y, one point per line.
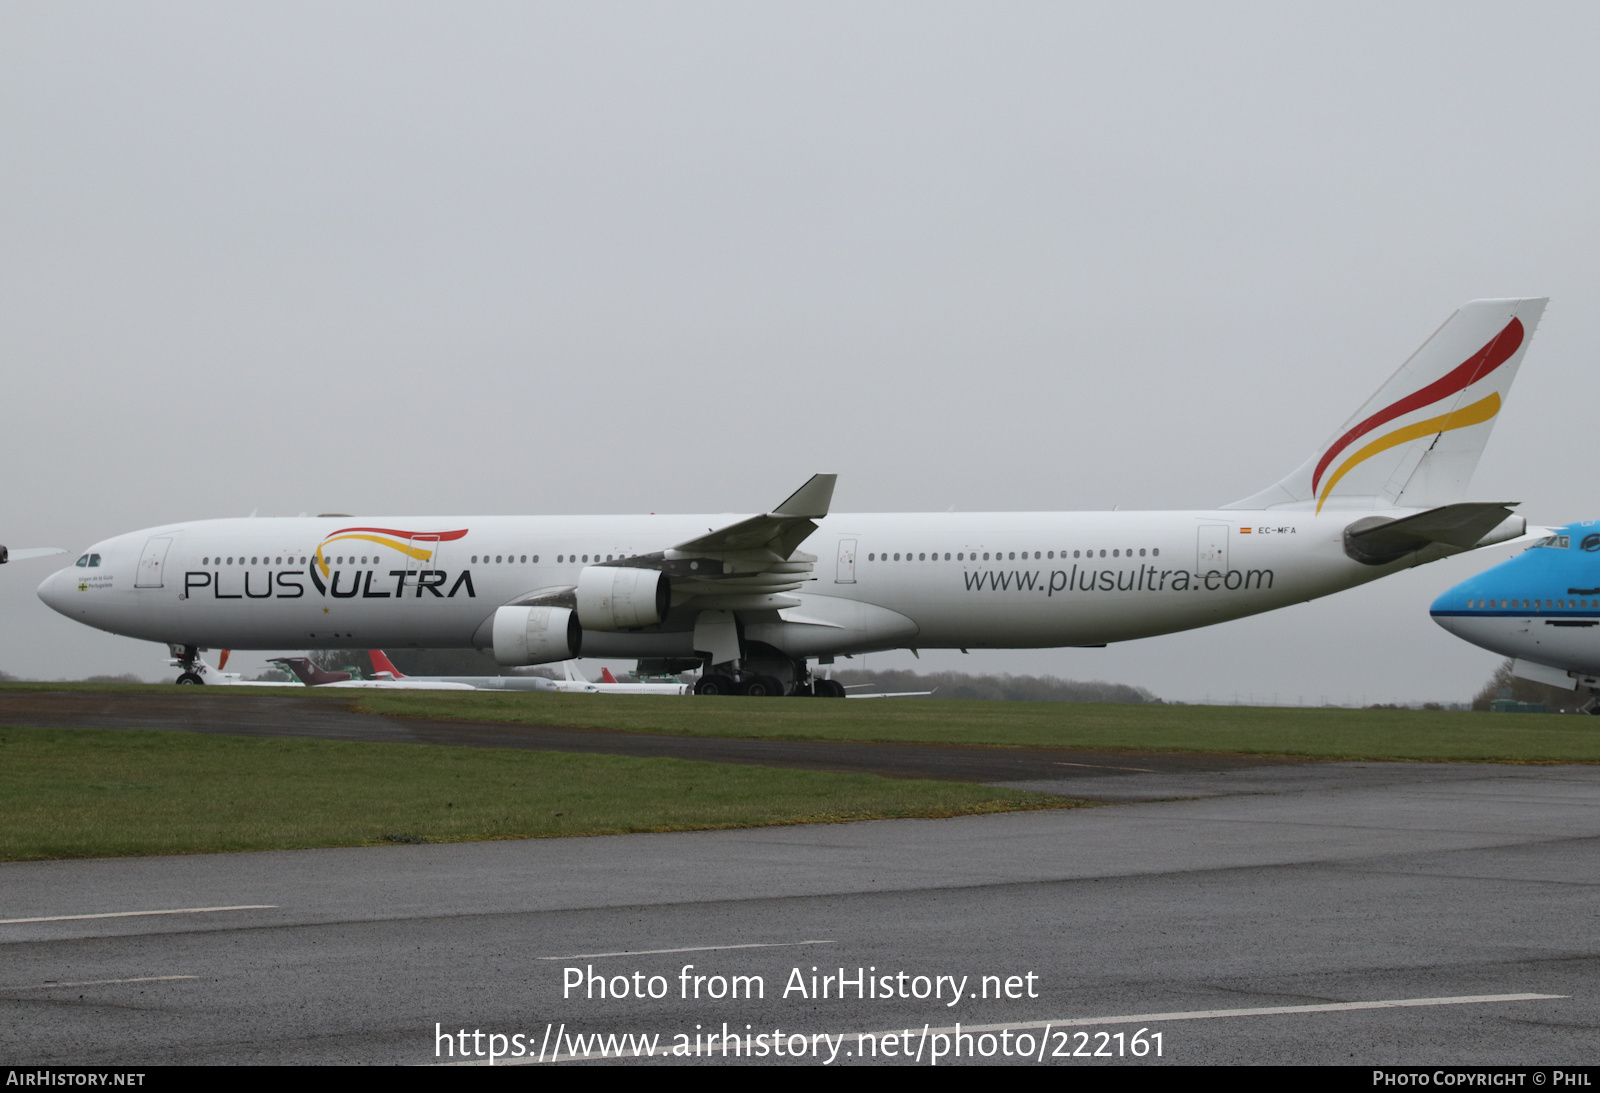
986	555
1155	552
1116	553
1141	552
947	555
586	557
230	559
922	557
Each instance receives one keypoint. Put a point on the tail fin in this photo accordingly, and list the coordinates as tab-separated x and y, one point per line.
1416	442
308	673
381	664
606	676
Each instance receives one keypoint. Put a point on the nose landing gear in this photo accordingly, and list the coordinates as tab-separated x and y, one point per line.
186	657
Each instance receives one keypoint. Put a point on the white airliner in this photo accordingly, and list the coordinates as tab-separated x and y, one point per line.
738	596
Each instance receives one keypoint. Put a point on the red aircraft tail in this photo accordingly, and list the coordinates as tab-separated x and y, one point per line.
381	663
606	676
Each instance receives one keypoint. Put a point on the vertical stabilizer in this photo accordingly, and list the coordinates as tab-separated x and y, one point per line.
1416	442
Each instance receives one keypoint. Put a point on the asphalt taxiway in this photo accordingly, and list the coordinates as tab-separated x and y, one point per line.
1248	918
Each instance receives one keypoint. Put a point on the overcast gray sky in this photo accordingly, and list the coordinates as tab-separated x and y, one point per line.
578	258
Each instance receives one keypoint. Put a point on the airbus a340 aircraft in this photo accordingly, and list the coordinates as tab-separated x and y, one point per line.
739	597
1541	608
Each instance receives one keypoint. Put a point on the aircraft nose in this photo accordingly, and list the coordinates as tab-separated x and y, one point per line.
53	590
1447	612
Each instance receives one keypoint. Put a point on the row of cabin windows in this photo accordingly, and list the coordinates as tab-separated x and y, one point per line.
499	559
1002	556
563	559
1566	605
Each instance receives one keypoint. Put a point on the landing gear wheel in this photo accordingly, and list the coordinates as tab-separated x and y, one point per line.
802	690
714	685
762	687
829	688
189	679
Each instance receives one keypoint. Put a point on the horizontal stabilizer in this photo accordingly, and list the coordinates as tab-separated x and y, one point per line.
1377	541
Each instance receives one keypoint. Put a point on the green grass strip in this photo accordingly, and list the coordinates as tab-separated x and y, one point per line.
1247	730
71	793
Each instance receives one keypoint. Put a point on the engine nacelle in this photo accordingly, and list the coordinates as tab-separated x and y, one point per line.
536	635
622	598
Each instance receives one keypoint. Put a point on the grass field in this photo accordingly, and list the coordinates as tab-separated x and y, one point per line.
1251	730
69	793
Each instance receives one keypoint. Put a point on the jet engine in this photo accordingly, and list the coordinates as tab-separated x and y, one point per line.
536	635
621	597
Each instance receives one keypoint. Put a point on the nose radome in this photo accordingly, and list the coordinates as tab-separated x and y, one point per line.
52	590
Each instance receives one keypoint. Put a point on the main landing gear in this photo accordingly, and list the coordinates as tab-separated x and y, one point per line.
766	676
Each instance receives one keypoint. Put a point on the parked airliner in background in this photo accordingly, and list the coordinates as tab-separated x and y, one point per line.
737	596
1541	608
383	668
308	673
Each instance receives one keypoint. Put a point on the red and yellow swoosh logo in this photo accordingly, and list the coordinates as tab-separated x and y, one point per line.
418	545
1494	353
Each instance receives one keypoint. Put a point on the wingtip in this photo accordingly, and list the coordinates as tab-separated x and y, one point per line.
810	500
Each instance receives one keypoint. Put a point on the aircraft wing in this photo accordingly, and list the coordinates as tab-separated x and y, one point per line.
779	531
22	554
743	566
894	694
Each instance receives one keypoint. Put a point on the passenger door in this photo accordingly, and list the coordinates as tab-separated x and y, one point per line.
1211	553
151	563
845	573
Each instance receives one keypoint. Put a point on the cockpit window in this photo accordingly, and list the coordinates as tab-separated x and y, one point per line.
94	560
1558	542
82	561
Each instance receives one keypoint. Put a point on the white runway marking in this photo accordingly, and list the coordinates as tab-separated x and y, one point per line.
99	982
696	949
138	914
